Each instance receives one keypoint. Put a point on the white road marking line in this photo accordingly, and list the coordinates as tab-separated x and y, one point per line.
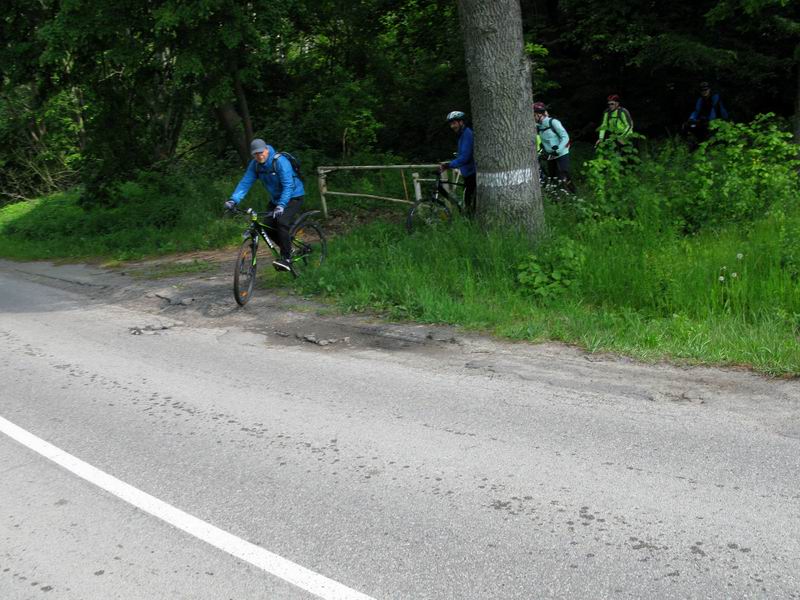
308	580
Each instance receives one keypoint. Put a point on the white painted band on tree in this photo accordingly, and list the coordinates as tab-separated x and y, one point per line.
504	178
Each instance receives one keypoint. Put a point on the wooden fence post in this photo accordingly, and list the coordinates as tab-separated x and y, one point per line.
417	187
322	180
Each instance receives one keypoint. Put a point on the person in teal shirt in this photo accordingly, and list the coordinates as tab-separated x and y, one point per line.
554	142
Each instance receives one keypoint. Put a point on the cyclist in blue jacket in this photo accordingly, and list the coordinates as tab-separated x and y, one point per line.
707	108
285	189
464	161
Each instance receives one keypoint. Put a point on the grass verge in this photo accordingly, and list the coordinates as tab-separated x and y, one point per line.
466	277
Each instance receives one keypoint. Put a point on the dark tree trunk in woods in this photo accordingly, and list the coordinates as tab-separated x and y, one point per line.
80	123
797	97
168	125
230	120
244	109
500	94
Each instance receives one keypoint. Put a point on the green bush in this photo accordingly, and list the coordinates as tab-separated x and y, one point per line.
152	214
740	172
553	270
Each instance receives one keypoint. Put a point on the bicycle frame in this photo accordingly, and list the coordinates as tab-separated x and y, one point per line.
258	229
441	190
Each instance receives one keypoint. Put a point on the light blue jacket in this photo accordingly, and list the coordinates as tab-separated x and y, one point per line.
464	160
279	178
553	135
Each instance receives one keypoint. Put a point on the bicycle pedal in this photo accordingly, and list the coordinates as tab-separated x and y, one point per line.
281	265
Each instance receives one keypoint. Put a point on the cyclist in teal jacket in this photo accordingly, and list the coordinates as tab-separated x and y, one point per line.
555	144
285	189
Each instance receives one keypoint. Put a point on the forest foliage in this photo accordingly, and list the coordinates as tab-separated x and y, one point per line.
93	92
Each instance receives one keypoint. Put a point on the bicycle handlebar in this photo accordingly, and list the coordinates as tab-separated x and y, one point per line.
249	212
440	179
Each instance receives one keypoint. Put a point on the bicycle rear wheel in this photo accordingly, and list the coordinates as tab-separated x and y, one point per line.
427	215
244	275
309	247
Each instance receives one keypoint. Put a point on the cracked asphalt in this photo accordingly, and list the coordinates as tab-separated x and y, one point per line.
401	460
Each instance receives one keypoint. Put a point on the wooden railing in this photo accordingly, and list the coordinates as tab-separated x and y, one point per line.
322	175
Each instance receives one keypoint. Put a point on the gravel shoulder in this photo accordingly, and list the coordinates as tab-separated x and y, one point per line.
202	298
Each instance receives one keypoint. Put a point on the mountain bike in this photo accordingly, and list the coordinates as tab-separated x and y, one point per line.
309	249
437	207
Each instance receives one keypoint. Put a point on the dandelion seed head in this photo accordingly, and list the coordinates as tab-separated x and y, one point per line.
722	278
734	275
739	256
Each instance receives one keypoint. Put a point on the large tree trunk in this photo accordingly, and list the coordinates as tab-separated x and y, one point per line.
229	119
80	122
244	109
500	94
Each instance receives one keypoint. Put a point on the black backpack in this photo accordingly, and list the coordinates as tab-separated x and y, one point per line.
292	160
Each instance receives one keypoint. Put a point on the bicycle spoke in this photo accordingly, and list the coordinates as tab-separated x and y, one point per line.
427	215
244	275
309	247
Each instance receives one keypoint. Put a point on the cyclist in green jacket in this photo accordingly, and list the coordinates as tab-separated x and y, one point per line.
617	125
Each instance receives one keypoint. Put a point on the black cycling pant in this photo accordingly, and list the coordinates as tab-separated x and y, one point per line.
559	169
470	191
282	224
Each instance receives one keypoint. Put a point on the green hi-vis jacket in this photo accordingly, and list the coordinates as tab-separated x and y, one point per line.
617	123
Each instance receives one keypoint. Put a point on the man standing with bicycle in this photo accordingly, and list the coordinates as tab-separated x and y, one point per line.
285	189
464	160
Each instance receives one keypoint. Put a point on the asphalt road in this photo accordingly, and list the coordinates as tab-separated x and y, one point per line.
396	461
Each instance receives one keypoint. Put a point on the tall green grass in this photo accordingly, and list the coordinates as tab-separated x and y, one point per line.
654	300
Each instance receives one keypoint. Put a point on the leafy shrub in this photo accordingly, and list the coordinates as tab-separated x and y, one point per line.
552	271
607	176
740	172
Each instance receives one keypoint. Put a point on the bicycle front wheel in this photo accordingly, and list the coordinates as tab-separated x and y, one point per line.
425	215
244	275
309	247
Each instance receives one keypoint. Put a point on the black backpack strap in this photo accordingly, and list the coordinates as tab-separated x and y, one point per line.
292	162
554	129
274	170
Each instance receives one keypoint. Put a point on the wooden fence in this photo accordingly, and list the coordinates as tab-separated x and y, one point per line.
322	176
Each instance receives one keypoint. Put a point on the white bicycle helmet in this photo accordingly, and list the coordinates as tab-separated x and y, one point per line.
455	115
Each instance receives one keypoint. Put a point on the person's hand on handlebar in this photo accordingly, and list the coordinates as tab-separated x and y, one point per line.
443	167
230	205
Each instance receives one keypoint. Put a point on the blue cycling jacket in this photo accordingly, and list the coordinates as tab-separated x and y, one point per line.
464	160
279	178
715	111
